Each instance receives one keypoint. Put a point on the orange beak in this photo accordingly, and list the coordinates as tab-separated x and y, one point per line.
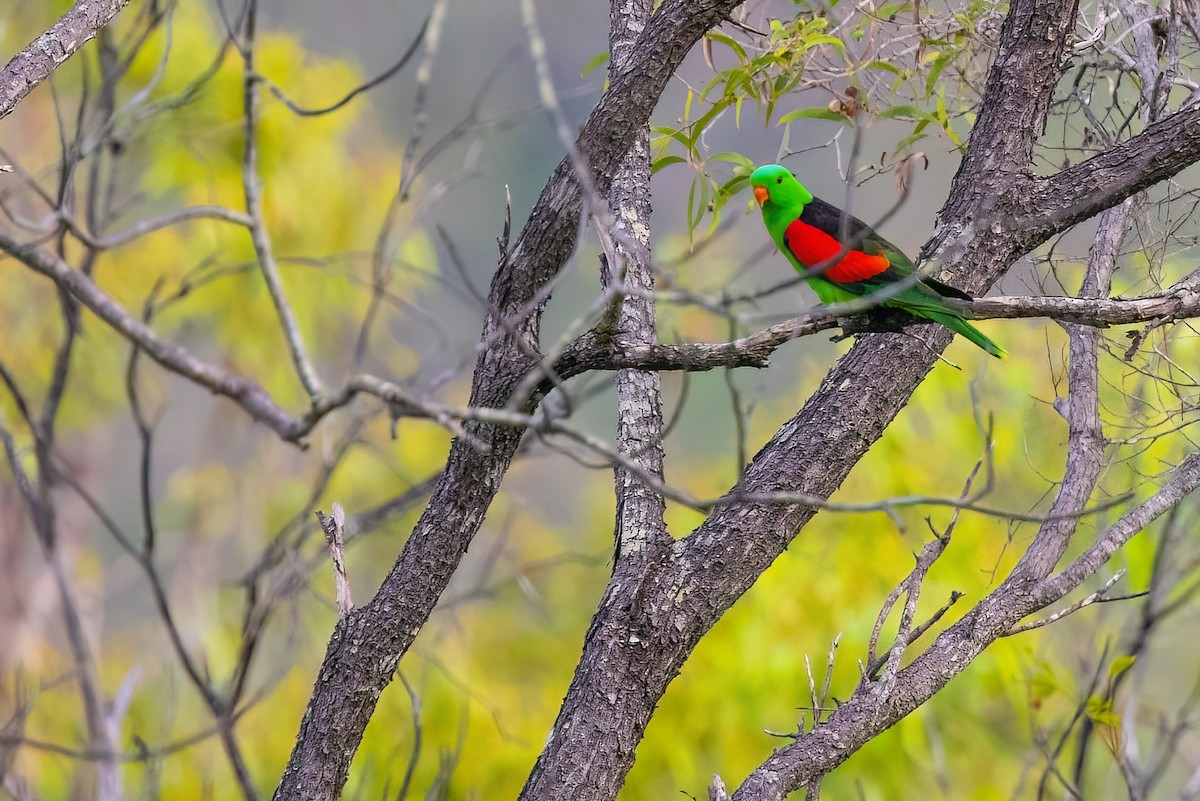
761	194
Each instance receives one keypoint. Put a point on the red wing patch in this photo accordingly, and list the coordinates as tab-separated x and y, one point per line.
812	246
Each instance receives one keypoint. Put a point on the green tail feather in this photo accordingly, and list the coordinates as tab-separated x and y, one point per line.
916	302
961	326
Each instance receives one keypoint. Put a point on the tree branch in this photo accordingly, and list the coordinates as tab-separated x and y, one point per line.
259	236
594	351
46	53
1080	191
629	261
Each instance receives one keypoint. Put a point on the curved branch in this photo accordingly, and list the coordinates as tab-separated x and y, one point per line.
140	229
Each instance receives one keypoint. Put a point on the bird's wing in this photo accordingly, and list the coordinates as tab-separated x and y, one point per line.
870	260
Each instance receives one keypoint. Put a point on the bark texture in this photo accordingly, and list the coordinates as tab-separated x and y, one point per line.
46	53
640	510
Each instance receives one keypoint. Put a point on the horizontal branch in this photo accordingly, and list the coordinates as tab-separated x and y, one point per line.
46	53
1178	302
353	93
592	351
595	352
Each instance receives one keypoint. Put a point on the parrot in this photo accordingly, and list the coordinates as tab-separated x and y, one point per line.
808	231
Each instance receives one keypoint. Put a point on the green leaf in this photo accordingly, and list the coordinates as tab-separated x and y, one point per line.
691	208
910	140
812	114
729	42
1120	665
665	161
733	185
733	158
595	61
938	65
891	10
885	66
706	119
825	38
1101	712
678	136
897	112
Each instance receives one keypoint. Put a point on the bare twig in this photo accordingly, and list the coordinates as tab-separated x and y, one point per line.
356	91
1098	595
258	229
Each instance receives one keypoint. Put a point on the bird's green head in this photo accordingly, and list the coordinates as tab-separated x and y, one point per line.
775	188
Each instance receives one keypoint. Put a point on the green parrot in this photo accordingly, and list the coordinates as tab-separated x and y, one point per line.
808	231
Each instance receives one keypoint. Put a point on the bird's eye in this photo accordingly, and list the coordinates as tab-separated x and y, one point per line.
779	180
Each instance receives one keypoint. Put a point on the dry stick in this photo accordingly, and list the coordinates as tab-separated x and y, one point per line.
1085	438
138	230
258	228
1184	481
249	395
100	717
433	26
225	708
143	754
43	55
449	415
414	701
911	587
335	534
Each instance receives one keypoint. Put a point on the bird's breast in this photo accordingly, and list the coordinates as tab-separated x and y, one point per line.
813	247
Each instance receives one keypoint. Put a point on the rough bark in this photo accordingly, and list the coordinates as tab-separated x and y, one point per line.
640	510
34	64
641	540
